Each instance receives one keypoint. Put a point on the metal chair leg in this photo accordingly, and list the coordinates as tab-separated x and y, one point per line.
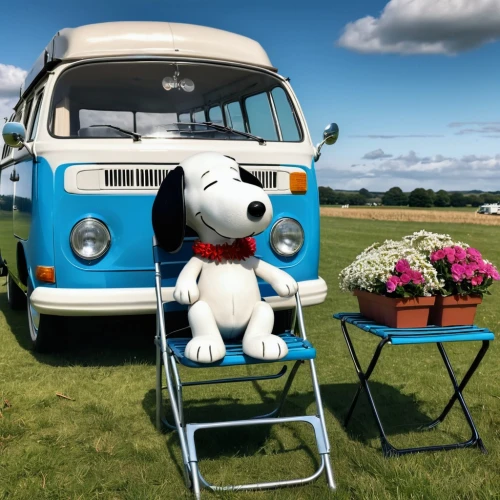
159	398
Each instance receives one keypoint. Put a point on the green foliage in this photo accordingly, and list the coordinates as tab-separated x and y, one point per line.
395	197
442	199
420	198
327	196
458	200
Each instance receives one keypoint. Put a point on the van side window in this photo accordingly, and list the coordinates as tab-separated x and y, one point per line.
260	117
286	117
215	115
36	117
184	118
27	111
234	116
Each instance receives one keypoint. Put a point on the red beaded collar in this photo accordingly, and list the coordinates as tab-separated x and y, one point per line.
240	249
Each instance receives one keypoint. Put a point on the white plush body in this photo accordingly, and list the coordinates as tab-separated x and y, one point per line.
231	291
224	298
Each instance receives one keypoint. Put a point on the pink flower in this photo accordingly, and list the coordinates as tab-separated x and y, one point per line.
460	253
390	286
417	278
456	278
451	257
438	255
474	254
495	274
488	269
470	269
405	278
395	280
477	280
459	270
402	266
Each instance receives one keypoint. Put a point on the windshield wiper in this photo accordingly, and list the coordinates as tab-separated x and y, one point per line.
134	135
222	128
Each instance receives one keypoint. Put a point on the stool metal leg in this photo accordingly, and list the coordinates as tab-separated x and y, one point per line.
475	439
479	357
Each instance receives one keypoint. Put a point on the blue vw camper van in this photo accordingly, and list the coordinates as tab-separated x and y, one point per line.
104	114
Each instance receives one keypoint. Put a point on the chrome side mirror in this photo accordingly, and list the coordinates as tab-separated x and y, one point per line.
330	136
14	135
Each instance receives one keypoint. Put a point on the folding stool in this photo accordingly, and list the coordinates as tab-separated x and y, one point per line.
407	336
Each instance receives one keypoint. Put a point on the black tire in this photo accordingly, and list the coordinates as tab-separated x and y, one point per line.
15	296
283	321
47	333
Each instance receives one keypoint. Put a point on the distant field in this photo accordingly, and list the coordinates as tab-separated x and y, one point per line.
457	216
438	209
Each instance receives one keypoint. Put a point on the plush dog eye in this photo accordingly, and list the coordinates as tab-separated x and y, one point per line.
208	185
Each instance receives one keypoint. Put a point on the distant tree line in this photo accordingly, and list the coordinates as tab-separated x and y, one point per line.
327	196
395	196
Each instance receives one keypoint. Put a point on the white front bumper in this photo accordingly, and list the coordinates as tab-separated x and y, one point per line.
123	301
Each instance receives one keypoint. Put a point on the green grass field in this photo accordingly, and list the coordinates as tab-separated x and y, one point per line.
102	443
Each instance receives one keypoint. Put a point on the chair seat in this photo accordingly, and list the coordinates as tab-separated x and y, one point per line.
298	349
428	334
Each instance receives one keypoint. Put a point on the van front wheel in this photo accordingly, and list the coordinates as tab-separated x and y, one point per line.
46	332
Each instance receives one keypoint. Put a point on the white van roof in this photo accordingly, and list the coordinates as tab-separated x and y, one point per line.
132	38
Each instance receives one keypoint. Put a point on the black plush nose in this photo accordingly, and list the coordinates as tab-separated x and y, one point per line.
256	209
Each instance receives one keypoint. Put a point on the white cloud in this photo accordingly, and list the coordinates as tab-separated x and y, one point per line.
483	128
376	154
412	170
425	27
6	110
11	78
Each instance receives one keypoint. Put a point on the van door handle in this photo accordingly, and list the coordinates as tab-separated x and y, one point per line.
14	176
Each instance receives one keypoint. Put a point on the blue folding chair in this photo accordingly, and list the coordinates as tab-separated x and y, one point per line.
170	354
407	336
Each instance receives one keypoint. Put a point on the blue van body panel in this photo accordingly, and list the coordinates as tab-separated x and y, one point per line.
39	249
129	261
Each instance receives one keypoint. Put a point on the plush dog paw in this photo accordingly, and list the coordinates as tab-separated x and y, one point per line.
186	293
267	347
286	286
205	349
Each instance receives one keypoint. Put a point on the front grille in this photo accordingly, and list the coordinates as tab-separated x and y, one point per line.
120	178
268	178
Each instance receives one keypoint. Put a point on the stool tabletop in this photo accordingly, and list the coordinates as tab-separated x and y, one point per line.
422	335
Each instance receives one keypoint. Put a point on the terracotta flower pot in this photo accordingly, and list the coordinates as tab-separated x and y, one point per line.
395	313
454	310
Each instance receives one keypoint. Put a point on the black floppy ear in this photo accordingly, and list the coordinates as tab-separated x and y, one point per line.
169	212
249	178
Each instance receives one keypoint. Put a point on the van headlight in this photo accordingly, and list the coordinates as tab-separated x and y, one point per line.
287	237
90	239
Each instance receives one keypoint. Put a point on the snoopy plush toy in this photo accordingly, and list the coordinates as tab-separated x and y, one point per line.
226	206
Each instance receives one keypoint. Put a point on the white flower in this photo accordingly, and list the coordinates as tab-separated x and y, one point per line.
377	262
427	242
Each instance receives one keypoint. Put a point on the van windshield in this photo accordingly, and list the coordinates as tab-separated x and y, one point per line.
155	100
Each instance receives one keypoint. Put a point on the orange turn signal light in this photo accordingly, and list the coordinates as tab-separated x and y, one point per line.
46	274
298	182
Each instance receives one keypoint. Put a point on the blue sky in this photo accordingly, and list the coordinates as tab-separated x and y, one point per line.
413	84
